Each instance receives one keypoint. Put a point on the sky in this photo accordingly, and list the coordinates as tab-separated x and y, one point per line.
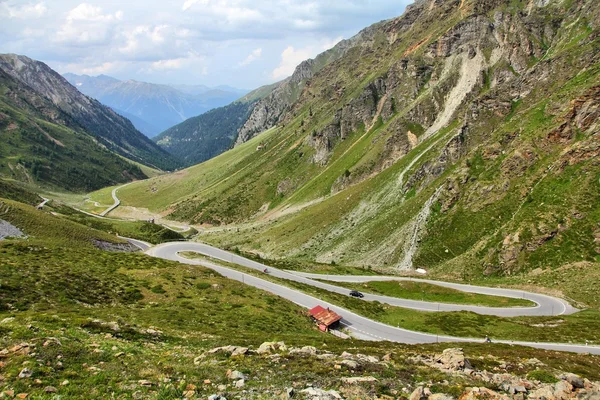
241	43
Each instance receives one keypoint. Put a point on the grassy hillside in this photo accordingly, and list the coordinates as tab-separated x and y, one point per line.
438	143
54	155
79	322
80	112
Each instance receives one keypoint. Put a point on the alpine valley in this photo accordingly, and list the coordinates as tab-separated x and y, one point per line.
428	189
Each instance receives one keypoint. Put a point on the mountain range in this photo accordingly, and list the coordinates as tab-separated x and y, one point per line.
458	142
153	108
460	137
54	135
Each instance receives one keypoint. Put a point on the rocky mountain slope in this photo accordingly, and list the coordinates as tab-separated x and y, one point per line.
107	127
159	107
462	137
271	108
201	138
206	136
43	146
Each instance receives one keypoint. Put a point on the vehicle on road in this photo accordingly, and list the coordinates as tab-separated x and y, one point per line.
356	293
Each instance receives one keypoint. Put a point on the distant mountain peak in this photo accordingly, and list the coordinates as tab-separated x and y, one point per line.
152	108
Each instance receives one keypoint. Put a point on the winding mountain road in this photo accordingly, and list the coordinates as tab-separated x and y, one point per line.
116	203
363	327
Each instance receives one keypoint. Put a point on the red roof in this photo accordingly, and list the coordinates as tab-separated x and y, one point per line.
324	316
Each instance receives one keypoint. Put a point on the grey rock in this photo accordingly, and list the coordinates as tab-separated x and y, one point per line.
235	375
25	373
9	230
350	364
306	350
320	394
440	396
574	380
418	394
453	359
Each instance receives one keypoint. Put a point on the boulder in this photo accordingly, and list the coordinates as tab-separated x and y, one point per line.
440	396
270	347
452	359
306	350
235	375
575	380
562	390
25	373
350	364
361	358
320	394
543	393
477	393
240	383
359	379
418	394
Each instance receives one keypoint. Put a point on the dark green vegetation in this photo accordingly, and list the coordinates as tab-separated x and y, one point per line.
51	154
13	191
203	137
432	293
55	137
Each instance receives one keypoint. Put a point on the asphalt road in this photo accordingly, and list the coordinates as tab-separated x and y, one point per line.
116	203
360	326
546	305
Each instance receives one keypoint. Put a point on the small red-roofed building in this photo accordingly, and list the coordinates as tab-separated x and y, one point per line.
324	318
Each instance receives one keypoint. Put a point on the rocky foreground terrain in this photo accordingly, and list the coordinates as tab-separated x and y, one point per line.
313	373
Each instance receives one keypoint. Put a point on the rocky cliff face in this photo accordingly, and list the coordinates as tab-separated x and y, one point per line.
271	109
109	128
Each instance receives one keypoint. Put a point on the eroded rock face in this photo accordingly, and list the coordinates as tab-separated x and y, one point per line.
272	109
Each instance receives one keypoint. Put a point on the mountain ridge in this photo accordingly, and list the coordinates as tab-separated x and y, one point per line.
159	106
112	130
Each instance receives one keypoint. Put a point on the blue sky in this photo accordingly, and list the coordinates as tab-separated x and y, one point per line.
242	43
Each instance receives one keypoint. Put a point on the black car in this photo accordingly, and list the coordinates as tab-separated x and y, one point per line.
356	293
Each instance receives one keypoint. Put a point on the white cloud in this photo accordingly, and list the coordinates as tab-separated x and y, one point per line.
88	25
255	55
290	58
190	60
228	13
155	43
328	44
153	40
87	12
24	12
